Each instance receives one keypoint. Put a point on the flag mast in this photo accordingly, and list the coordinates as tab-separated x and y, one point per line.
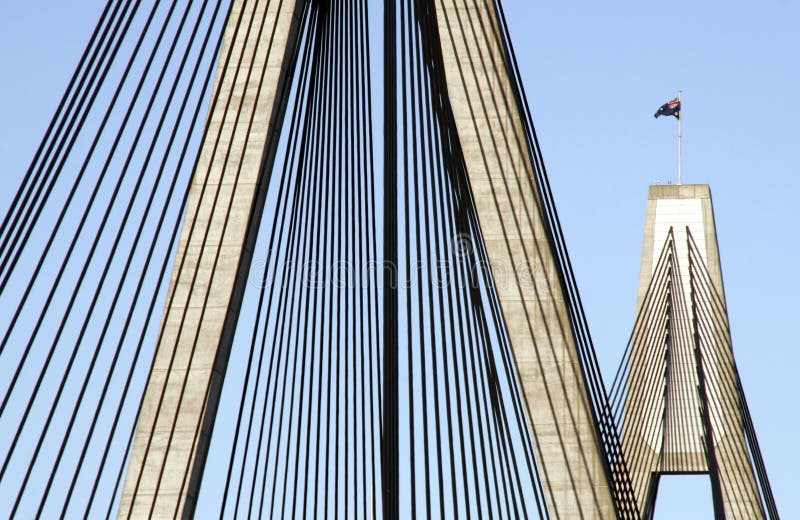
679	137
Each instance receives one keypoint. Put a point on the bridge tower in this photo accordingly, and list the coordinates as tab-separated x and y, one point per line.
226	199
685	410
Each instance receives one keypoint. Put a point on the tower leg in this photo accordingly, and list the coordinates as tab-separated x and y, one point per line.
500	169
213	260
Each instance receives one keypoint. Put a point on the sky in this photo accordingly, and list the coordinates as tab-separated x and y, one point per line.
594	74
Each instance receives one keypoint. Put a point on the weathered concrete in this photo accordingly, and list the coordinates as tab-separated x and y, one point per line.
522	261
214	253
675	442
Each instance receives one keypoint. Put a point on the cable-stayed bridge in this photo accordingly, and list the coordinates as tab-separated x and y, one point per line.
361	228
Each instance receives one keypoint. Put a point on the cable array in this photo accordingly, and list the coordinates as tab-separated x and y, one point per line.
303	385
467	445
310	425
641	388
84	248
716	361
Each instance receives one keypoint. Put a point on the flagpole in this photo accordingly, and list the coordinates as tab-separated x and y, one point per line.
680	116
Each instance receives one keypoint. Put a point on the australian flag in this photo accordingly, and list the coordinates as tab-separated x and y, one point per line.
670	108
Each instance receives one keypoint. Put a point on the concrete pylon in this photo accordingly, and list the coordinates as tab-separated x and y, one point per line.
491	133
214	253
683	408
215	248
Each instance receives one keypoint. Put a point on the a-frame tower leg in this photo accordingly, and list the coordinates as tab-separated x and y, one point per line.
489	121
213	259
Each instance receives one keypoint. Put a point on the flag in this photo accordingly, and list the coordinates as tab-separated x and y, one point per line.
670	108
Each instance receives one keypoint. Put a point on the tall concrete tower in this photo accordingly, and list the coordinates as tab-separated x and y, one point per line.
533	300
684	412
216	244
226	199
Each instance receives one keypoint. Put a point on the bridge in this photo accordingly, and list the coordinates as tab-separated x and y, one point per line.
247	274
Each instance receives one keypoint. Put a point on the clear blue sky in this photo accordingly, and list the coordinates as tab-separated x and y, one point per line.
595	73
